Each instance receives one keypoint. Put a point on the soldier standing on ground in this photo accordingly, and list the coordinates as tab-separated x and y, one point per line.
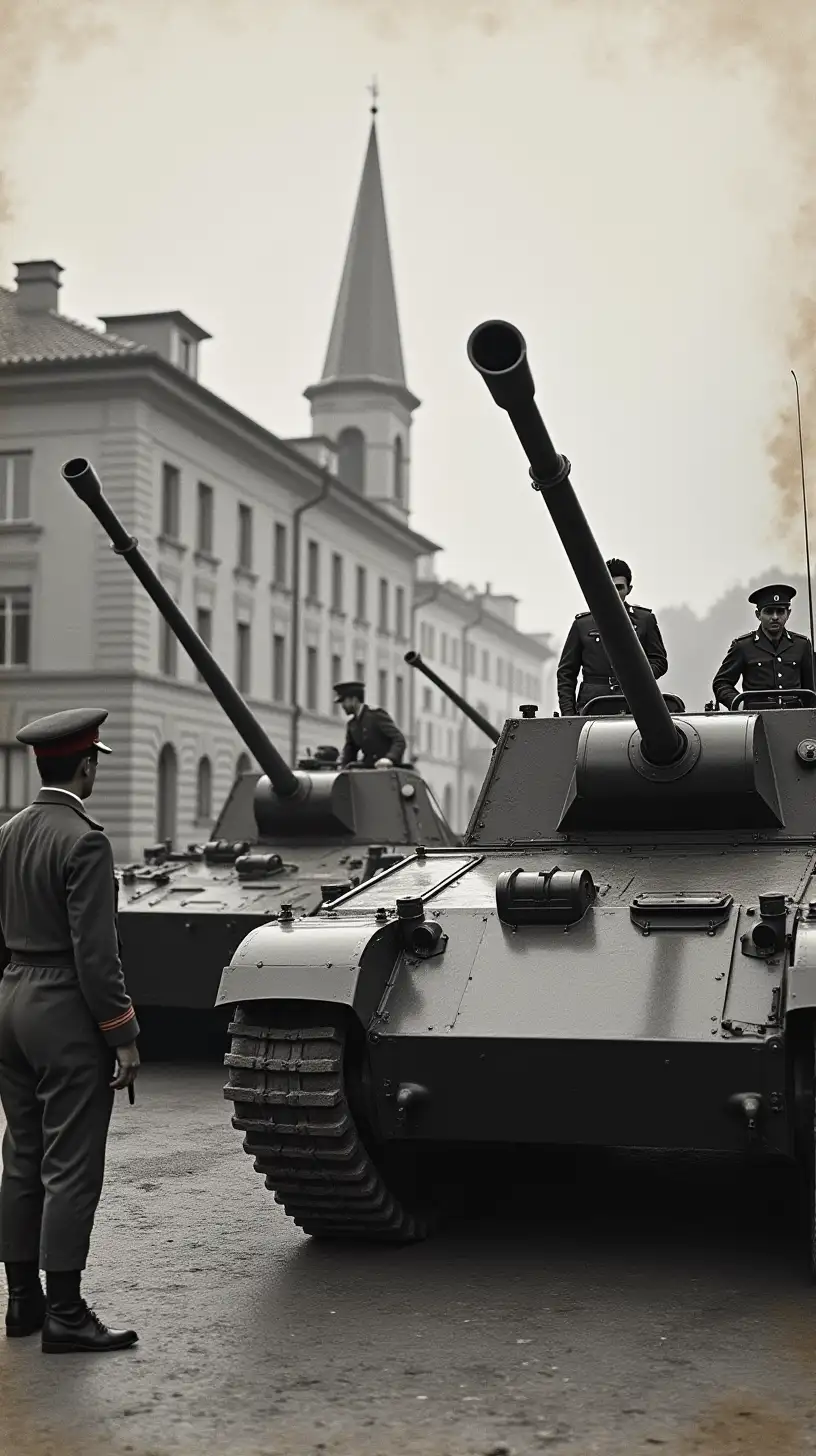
771	657
371	731
584	651
65	1017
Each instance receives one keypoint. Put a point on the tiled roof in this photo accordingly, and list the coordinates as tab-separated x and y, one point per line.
27	338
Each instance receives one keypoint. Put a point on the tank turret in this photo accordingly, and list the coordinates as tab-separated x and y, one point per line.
284	803
414	660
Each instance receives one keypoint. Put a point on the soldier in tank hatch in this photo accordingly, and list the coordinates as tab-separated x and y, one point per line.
770	657
371	732
65	1018
584	651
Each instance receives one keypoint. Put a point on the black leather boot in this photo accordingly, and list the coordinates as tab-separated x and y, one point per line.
73	1329
26	1301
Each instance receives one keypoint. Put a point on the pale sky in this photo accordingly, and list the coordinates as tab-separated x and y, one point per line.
625	207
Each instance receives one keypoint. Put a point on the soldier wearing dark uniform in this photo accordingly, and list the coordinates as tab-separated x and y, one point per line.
771	657
65	1020
584	651
371	732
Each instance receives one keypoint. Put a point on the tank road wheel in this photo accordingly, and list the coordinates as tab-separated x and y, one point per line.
290	1082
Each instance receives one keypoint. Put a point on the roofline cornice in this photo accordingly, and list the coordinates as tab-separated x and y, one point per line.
363	384
226	426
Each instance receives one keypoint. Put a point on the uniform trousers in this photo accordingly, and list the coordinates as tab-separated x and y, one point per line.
55	1070
594	688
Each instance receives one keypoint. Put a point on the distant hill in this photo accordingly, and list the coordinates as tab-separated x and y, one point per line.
697	645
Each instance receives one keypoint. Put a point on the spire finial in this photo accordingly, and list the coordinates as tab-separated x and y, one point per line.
375	91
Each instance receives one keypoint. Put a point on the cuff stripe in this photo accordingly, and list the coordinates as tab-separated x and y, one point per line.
117	1021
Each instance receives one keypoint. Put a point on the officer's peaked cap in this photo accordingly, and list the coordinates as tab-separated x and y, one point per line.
349	690
773	596
72	731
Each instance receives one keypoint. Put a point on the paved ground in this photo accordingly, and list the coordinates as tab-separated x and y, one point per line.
639	1306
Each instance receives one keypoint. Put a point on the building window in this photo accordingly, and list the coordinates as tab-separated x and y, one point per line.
245	537
168	650
362	594
447	802
171	502
359	671
15	487
485	666
399	485
427	700
312	571
243	764
204	619
500	671
431	641
204	791
455	651
311	678
204	521
399	613
383	604
471	657
280	558
337	582
399	700
450	743
382	688
278	667
429	735
443	648
351	458
337	676
167	795
243	649
14	781
15	628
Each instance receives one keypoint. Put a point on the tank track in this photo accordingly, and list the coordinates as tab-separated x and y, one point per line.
288	1086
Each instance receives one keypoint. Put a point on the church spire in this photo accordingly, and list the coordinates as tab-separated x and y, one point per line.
365	340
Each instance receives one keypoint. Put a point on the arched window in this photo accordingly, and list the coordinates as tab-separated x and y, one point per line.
447	802
399	471
167	795
351	458
204	791
243	764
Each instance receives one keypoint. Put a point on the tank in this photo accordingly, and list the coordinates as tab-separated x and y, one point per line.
621	953
285	842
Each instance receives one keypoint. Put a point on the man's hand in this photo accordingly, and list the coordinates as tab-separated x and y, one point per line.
127	1066
384	763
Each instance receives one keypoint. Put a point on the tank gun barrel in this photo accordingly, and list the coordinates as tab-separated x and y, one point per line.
414	660
498	351
85	483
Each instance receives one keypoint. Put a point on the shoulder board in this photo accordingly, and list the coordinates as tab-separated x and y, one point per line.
800	636
579	615
636	608
745	637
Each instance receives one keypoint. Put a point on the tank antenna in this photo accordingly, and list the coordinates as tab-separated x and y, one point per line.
804	510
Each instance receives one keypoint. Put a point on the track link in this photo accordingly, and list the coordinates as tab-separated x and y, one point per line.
287	1084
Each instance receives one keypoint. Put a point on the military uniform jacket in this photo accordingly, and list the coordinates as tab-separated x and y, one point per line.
584	651
58	895
375	733
763	665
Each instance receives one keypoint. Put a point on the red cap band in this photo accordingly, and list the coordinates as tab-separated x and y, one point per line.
64	746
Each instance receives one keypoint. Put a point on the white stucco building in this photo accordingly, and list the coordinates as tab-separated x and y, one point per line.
295	560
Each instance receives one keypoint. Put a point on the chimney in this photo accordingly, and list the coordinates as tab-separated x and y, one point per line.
38	286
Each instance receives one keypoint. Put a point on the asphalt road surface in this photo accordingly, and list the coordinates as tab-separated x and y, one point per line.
608	1303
